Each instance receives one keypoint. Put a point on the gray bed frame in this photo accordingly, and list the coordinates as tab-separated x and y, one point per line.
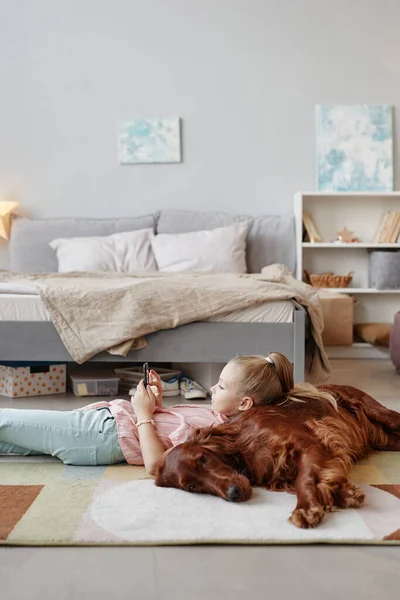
200	342
271	239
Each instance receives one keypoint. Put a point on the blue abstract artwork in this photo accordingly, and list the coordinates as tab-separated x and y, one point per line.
354	148
149	140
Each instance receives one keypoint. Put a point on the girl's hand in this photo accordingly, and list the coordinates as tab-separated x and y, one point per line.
143	402
156	386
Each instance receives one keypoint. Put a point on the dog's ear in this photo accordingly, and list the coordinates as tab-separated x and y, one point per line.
239	463
200	435
221	438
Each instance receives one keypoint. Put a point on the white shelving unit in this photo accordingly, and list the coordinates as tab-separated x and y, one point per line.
361	213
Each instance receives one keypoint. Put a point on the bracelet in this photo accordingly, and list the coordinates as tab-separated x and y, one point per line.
149	421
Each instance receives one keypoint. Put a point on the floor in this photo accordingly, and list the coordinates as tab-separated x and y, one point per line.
212	572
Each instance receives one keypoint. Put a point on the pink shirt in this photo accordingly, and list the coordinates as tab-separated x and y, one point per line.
173	424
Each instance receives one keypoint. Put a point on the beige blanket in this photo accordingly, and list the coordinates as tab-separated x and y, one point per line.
93	312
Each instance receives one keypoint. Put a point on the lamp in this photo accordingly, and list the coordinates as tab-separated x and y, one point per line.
6	210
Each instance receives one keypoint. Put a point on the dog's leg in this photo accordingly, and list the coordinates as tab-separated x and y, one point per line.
309	510
334	488
348	495
376	412
392	444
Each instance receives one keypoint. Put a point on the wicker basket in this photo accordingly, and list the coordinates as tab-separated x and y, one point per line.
329	280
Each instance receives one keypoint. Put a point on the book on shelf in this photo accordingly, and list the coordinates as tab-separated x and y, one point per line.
381	228
389	228
311	229
395	230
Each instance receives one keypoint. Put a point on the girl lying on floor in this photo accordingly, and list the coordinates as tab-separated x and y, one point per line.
142	430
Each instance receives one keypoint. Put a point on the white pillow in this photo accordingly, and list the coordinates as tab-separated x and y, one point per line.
221	250
120	252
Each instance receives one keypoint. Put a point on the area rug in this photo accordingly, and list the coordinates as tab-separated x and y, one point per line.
43	502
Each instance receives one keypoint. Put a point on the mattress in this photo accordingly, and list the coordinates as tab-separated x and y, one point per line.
22	303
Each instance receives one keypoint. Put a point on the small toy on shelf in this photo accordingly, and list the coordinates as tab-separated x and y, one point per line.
346	237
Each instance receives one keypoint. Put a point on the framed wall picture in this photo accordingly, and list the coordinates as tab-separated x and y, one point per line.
354	148
149	140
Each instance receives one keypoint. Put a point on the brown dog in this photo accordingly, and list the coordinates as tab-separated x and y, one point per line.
306	448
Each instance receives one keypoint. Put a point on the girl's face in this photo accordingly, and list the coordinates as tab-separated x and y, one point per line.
224	394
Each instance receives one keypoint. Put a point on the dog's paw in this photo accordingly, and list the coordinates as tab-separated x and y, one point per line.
306	518
351	496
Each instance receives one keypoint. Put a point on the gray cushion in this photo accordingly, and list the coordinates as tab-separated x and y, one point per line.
183	221
29	244
271	238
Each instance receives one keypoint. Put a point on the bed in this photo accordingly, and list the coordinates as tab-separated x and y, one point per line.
28	334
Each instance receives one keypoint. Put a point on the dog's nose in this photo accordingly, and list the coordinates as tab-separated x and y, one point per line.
233	493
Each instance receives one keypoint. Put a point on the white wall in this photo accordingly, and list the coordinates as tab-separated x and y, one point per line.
244	75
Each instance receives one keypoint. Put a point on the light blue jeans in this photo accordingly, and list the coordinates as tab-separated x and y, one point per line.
77	437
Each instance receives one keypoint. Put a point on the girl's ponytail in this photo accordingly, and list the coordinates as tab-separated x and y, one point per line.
299	392
269	380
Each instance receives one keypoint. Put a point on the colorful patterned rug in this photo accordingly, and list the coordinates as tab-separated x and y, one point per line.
43	502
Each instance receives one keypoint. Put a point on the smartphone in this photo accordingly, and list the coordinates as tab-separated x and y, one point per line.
146	374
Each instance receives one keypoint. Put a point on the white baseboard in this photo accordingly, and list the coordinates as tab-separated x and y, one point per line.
359	350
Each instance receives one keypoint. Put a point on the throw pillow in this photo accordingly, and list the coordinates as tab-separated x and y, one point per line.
221	250
126	252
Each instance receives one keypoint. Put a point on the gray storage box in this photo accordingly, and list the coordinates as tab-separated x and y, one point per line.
94	383
384	269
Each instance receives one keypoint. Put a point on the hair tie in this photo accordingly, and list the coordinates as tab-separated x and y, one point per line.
270	360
